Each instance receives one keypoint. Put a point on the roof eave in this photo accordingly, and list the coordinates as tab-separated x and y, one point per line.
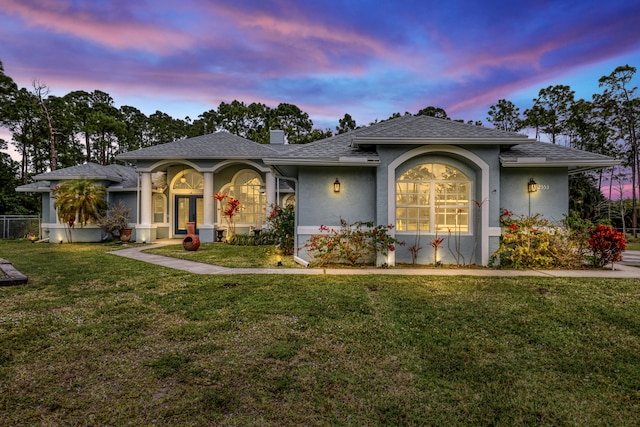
341	161
571	164
379	140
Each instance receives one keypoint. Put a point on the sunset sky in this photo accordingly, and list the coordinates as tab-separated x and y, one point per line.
366	58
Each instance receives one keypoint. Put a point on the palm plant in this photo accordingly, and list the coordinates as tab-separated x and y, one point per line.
79	201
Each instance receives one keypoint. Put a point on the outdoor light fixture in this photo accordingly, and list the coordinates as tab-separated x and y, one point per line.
532	186
336	186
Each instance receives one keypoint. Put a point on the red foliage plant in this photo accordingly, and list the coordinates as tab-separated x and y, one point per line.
607	245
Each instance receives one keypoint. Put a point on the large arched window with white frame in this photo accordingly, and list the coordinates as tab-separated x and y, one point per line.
433	197
248	187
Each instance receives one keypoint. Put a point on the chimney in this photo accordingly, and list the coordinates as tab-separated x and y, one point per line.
276	136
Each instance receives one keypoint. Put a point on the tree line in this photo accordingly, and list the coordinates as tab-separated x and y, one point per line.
51	132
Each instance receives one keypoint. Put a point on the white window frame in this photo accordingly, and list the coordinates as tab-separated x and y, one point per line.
431	206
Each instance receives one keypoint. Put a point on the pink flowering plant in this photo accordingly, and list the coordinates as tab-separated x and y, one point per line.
356	243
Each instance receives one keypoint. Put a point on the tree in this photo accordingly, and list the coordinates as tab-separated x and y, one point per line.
346	124
505	116
41	91
436	112
12	202
295	123
585	197
79	201
134	130
621	98
554	104
21	118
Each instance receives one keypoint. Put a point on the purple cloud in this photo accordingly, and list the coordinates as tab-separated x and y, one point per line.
369	58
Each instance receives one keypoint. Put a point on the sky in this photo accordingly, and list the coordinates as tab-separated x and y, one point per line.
368	58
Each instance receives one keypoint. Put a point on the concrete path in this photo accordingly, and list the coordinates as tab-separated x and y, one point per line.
622	270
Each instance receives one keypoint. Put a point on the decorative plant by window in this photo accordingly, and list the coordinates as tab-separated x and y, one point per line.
116	219
229	211
79	201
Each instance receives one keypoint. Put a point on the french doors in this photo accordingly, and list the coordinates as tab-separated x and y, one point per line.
188	209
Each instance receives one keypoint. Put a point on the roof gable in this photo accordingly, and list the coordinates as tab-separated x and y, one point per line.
351	147
425	129
218	145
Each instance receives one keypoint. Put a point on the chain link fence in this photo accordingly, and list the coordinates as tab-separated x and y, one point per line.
19	226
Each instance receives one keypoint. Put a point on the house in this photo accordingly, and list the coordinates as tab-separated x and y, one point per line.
426	176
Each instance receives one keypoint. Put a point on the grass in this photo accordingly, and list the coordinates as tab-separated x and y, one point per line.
229	255
95	339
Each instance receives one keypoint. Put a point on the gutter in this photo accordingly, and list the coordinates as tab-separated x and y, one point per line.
342	161
278	175
584	165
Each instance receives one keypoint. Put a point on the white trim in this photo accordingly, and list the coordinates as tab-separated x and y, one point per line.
171	162
300	261
233	162
495	232
445	149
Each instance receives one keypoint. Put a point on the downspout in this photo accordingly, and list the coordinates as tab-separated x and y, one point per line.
138	201
295	219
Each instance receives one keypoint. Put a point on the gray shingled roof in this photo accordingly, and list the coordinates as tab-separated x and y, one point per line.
545	154
115	173
218	145
124	177
430	128
348	146
35	187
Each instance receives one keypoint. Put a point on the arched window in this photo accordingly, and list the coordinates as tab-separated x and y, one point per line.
433	196
159	208
247	186
190	180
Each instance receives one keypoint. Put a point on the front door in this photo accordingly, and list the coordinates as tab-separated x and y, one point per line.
188	209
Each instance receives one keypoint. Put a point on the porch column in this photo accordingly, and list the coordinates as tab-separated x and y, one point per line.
144	232
270	188
206	228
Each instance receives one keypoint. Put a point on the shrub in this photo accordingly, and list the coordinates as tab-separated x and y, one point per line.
535	242
251	240
281	223
607	245
356	243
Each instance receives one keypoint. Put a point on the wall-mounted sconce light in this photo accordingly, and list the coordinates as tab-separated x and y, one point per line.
262	189
336	186
532	186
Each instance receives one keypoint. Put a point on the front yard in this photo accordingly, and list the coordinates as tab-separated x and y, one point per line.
96	339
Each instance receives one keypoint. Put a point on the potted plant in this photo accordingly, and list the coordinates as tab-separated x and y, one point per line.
116	222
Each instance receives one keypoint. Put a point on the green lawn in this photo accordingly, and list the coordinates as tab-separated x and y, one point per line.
96	339
229	255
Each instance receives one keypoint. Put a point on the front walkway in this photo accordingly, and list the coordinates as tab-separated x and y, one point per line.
620	271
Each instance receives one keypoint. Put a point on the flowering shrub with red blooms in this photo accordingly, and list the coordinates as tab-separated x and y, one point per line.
281	223
607	245
229	211
356	243
535	242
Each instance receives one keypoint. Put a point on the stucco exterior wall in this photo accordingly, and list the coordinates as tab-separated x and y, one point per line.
319	205
551	200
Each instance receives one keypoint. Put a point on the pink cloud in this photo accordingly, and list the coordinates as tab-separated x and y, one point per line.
303	43
116	34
